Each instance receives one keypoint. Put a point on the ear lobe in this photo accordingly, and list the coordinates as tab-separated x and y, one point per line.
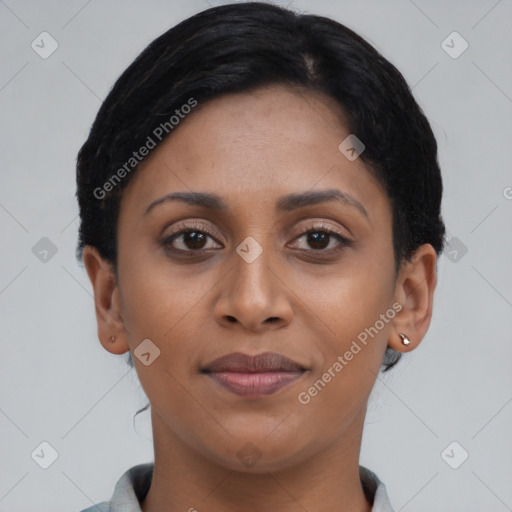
415	292
107	306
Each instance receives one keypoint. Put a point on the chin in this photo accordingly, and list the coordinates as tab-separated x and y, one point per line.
261	455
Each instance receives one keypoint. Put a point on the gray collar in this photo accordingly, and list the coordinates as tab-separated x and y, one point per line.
132	487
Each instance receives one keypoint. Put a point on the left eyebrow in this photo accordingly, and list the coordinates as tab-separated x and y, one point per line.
284	204
210	201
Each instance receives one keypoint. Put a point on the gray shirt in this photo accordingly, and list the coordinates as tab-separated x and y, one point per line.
132	487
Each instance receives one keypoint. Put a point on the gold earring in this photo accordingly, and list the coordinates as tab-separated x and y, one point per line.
405	339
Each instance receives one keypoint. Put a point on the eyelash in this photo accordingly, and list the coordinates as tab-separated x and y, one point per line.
196	228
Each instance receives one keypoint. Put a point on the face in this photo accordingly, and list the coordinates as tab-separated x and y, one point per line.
291	255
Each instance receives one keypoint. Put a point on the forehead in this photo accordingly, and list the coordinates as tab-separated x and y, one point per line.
254	147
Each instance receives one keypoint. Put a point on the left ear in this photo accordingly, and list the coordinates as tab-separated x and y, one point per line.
415	292
111	329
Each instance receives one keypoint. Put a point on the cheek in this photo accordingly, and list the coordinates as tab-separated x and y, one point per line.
167	306
155	297
352	357
354	314
346	302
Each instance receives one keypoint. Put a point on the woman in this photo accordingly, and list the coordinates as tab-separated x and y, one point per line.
260	221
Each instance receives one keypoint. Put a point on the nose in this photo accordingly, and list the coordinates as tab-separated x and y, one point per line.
254	297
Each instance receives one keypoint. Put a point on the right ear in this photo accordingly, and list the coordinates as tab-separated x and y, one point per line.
111	332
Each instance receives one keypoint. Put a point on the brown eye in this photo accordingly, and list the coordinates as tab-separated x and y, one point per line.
193	240
318	239
190	239
323	239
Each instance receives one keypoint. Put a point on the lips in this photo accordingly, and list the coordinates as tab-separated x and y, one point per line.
267	362
254	376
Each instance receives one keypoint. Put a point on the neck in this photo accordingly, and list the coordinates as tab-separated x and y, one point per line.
185	480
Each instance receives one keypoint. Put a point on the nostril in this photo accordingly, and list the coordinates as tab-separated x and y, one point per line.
232	319
272	319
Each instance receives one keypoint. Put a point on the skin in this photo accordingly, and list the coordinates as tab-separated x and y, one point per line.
251	149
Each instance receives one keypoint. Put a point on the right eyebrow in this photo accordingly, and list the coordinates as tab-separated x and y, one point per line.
302	199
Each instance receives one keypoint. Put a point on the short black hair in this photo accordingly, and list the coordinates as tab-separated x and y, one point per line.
237	48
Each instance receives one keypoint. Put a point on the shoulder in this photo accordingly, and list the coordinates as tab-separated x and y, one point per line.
375	491
129	491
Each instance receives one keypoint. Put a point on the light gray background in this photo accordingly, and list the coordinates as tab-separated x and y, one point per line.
59	385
